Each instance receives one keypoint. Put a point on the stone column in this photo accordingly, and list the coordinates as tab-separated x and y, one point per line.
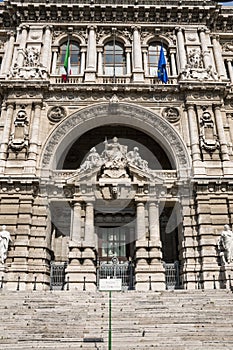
221	132
145	62
91	55
173	63
46	48
76	222
82	255
230	123
194	135
55	50
89	225
137	56
23	40
218	57
100	61
148	253
34	139
140	222
7	59
6	131
230	69
83	59
204	47
154	222
128	60
181	48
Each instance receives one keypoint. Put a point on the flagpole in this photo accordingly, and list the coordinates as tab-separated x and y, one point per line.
114	53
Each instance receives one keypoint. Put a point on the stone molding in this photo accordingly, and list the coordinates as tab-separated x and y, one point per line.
134	114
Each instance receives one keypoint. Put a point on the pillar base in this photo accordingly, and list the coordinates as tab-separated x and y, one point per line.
90	77
81	271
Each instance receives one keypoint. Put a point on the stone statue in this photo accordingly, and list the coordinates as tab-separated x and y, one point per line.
134	158
93	160
225	245
4	243
113	161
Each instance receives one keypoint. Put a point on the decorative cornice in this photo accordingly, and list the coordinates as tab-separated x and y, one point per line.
155	11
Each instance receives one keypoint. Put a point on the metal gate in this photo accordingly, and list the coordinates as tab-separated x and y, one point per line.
57	275
172	275
115	269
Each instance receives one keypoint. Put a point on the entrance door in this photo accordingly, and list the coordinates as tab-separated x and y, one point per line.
118	241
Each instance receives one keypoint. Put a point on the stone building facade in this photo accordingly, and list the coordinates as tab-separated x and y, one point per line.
110	162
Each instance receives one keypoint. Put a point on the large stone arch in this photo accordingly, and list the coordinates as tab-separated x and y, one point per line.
134	116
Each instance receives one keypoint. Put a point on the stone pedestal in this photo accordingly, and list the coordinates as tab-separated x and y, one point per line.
81	271
149	271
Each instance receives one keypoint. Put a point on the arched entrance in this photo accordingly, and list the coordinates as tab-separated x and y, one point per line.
125	222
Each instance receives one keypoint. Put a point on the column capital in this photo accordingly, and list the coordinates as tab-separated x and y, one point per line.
10	105
24	27
91	27
179	29
48	27
136	28
11	33
215	36
217	105
202	29
189	106
153	203
37	104
55	48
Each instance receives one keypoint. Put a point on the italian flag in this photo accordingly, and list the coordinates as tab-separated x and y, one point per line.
66	65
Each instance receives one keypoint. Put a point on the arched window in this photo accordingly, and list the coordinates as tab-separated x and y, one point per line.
153	58
114	62
75	57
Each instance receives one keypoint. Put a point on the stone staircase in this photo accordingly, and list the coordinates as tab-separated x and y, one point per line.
169	320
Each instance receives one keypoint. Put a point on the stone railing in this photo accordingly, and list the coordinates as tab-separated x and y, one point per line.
71	80
114	80
62	175
111	80
156	81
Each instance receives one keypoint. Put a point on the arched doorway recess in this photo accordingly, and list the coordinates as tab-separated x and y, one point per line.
150	196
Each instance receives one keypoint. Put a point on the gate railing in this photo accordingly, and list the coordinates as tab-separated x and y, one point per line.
115	269
172	279
57	275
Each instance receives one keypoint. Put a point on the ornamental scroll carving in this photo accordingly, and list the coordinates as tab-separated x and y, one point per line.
19	139
127	113
208	137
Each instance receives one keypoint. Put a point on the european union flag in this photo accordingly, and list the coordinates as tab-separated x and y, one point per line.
162	71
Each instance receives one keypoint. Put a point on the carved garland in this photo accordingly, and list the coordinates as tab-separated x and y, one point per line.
124	109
